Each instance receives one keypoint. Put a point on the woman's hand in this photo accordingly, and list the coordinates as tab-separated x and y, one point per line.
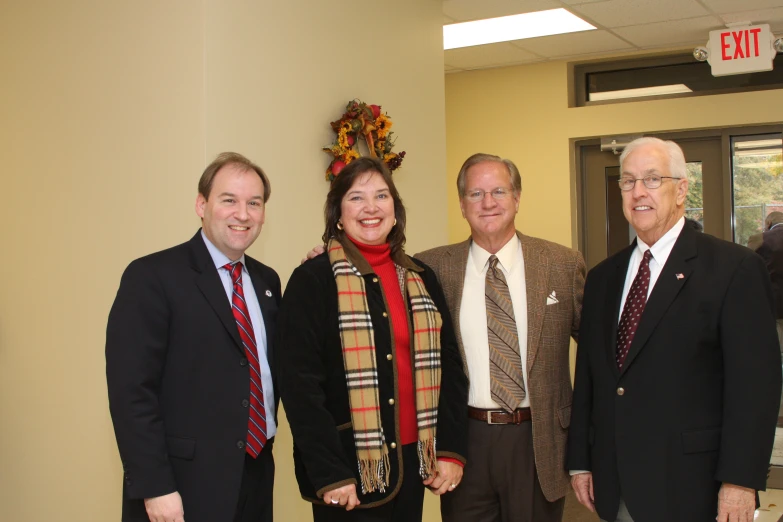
344	496
446	479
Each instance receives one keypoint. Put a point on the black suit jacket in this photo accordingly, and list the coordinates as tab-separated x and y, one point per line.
177	377
696	402
771	250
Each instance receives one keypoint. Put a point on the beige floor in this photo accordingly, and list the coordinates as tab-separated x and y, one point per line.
771	509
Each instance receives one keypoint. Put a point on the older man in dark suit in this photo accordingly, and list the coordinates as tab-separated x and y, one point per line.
188	358
678	370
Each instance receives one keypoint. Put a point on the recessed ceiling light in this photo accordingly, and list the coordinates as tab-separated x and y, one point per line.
514	27
659	90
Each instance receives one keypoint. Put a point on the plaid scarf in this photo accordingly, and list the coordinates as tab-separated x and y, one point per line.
361	369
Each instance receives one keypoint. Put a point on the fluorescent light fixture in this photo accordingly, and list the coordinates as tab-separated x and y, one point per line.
514	27
638	93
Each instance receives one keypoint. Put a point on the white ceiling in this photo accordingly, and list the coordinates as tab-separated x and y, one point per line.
622	26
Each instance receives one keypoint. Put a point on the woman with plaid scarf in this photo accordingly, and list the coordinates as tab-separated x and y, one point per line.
369	371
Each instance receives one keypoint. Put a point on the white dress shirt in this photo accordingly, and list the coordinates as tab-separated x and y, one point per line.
473	317
660	253
259	328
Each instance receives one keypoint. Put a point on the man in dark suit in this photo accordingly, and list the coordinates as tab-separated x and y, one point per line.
678	372
771	250
188	358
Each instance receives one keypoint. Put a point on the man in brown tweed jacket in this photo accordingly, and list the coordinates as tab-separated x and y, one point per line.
516	455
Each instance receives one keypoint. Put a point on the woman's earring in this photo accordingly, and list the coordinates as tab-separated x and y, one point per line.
395	222
339	226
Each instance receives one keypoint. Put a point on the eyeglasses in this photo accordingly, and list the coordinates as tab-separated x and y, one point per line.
651	182
474	196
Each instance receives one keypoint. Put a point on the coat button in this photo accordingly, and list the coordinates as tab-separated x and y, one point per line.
241	444
385	314
393	445
245	403
243	361
620	391
391	402
389	357
374	279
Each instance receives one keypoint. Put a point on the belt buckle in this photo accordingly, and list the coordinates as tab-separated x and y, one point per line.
489	417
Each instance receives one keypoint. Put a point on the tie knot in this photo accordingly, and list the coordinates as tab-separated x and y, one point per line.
493	262
647	256
235	269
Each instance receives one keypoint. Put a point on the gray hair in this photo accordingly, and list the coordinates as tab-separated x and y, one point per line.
513	171
676	157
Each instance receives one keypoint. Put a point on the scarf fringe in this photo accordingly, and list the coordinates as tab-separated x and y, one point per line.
428	462
374	474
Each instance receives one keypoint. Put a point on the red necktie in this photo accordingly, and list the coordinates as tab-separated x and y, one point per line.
256	424
632	311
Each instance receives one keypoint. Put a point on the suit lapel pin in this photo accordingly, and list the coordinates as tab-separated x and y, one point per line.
679	276
269	293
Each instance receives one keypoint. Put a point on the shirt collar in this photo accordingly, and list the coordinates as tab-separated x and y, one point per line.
507	256
663	247
219	258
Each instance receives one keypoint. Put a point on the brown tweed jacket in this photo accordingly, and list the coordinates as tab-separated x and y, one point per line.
549	267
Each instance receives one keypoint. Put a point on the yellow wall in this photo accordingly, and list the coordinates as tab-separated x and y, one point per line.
108	113
522	113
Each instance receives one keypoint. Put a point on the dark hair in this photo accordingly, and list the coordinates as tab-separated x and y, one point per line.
230	158
513	171
343	183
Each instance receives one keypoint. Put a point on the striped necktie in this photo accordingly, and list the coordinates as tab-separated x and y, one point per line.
256	424
507	385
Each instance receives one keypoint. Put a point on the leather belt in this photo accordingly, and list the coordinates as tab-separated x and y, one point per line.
518	416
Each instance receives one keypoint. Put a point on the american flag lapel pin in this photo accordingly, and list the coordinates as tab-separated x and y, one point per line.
679	276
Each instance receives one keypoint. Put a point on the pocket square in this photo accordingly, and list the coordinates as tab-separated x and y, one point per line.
551	299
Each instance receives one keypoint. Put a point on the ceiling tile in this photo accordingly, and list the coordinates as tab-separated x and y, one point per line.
577	2
731	6
464	10
620	13
667	34
573	43
490	55
773	17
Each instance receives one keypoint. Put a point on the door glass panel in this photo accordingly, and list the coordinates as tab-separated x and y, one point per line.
757	182
694	203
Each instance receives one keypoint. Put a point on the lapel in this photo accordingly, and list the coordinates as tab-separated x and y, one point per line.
536	278
266	301
673	278
455	264
614	295
208	282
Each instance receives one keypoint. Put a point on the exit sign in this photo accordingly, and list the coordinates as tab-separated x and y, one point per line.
739	50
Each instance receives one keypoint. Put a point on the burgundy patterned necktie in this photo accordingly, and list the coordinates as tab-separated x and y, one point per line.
256	424
632	311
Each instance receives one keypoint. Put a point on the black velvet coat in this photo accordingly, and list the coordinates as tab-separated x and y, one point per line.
313	387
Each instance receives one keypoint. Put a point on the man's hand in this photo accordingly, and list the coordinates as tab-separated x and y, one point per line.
316	251
446	479
583	487
344	496
736	504
167	508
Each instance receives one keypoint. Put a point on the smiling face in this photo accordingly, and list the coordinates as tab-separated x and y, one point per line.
234	213
367	209
652	212
491	220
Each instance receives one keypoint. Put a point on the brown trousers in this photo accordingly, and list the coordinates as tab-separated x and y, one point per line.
500	483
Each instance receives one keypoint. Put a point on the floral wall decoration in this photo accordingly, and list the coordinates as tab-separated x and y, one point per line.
362	122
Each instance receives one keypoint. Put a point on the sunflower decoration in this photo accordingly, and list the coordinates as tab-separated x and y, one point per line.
362	122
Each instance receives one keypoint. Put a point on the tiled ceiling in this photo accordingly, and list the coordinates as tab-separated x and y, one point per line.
622	26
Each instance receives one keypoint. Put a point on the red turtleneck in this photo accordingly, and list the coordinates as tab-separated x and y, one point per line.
379	257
